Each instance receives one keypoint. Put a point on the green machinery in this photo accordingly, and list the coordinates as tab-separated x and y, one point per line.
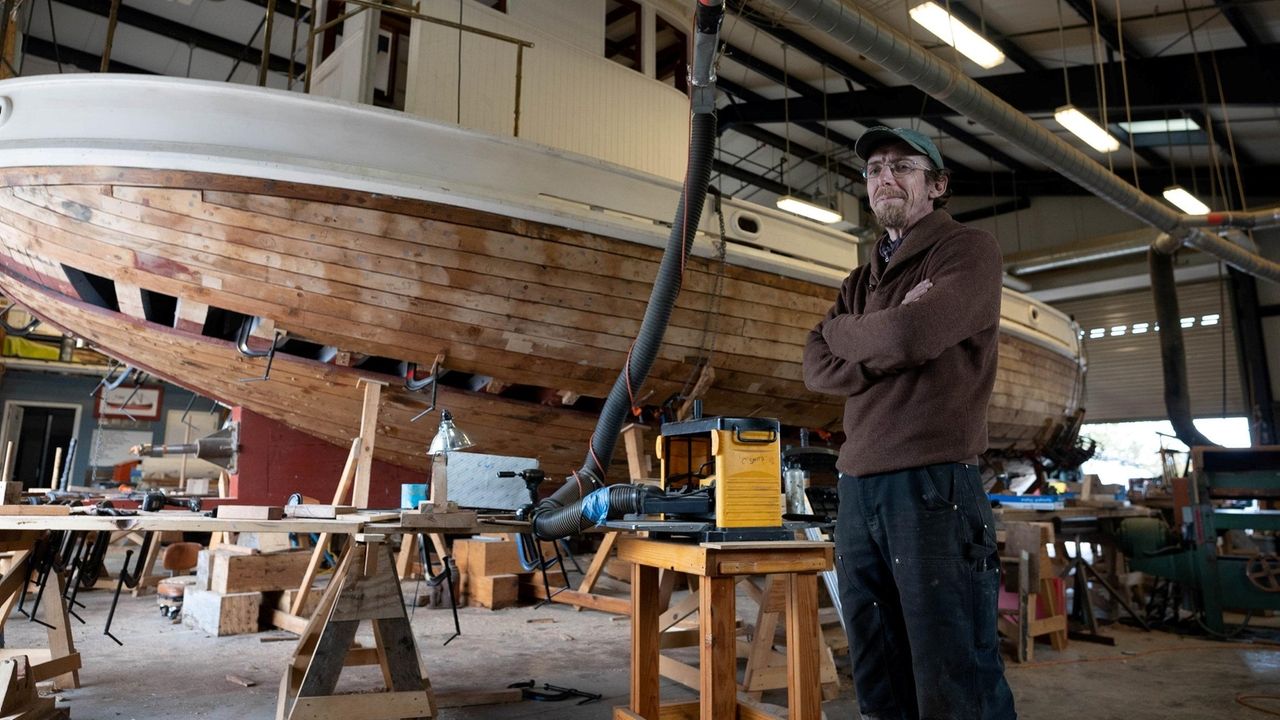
1193	553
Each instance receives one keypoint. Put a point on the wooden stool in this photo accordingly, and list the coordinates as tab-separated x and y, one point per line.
718	565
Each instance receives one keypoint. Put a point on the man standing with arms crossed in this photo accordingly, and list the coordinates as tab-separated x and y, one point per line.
911	342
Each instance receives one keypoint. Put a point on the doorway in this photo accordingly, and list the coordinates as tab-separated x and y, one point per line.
37	430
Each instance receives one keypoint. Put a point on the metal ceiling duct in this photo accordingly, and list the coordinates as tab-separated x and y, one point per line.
863	33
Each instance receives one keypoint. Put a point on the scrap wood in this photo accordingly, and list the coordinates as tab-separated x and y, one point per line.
244	682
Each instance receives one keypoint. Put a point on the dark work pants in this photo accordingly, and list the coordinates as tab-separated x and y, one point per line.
919	572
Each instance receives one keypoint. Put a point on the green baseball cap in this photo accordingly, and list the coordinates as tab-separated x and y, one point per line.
880	135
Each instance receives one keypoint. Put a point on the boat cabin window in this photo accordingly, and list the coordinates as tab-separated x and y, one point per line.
623	26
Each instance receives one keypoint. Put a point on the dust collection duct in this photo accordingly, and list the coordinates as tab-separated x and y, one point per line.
862	33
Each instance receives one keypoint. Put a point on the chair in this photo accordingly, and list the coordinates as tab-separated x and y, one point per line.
181	557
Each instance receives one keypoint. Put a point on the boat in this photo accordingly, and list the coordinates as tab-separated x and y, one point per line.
201	231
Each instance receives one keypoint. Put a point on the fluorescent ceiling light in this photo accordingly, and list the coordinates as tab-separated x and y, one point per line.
956	34
1185	201
1083	127
804	208
1159	126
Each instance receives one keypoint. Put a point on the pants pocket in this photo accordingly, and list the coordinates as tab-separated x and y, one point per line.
986	588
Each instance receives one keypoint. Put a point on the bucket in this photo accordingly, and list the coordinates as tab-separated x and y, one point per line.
411	494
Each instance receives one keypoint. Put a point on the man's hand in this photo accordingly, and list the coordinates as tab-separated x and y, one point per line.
917	292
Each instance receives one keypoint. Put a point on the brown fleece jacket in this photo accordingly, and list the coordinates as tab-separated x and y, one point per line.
918	377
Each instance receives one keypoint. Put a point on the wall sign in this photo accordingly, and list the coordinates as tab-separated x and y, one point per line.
130	403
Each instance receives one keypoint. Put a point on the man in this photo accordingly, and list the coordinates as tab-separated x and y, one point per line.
911	342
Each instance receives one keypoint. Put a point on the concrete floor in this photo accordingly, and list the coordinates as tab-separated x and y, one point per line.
167	671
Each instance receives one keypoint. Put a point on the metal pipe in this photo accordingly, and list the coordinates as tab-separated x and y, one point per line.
861	32
1137	243
1269	217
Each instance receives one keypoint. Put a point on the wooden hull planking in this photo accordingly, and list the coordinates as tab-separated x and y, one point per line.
517	301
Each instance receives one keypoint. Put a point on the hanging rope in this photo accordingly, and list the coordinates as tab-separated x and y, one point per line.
1215	174
1100	78
1124	79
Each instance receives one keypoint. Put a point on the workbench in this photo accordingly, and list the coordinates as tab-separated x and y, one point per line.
363	587
718	565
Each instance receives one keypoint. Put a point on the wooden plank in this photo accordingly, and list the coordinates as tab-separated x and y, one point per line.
589	601
36	510
672	556
804	683
644	640
312	510
250	512
598	562
366	706
717	659
368	433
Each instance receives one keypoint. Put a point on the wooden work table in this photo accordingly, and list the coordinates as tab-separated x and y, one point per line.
364	587
718	565
384	522
1072	514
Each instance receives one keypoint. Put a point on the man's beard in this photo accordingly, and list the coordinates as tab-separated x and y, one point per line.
892	215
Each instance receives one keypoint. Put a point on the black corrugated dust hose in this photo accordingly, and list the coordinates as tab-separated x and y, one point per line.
566	512
1173	352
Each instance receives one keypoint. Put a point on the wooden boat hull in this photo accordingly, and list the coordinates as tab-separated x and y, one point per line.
528	293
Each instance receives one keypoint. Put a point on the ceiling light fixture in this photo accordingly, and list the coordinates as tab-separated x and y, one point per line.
1140	127
804	208
1083	127
951	31
1185	201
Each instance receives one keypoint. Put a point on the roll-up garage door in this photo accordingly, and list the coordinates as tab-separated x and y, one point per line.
1125	379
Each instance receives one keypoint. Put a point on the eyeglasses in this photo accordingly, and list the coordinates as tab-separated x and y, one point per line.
899	168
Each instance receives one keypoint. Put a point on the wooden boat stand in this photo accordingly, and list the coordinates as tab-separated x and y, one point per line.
718	565
364	587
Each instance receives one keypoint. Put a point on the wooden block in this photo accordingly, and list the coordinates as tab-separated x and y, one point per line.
493	591
322	512
250	512
219	614
203	563
487	556
12	493
283	599
455	519
254	573
197	486
264	542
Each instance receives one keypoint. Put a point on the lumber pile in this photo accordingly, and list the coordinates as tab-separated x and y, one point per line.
230	583
490	572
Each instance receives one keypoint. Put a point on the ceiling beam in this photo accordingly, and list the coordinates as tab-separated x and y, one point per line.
1106	27
285	10
179	32
32	45
1108	31
855	74
1239	23
750	178
1261	182
1169	83
782	143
